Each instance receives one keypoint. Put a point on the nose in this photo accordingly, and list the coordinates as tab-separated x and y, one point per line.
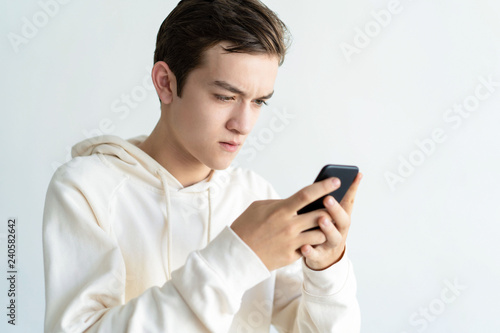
243	118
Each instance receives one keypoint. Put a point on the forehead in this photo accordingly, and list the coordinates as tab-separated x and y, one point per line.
255	73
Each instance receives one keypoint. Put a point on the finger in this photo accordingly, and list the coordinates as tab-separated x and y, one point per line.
332	234
311	253
306	251
334	238
340	217
311	193
307	221
312	237
348	200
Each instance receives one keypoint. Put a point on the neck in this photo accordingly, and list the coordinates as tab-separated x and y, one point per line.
162	147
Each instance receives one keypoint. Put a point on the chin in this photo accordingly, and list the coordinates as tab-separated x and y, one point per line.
220	164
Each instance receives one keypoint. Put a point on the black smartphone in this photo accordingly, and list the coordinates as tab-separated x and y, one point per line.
346	174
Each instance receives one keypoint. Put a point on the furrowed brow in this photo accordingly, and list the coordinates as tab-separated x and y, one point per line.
267	96
226	86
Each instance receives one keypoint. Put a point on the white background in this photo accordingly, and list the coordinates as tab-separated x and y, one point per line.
436	227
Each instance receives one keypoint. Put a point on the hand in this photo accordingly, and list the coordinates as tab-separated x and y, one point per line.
335	228
274	231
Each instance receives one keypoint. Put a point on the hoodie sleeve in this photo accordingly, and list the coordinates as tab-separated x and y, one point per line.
85	276
315	301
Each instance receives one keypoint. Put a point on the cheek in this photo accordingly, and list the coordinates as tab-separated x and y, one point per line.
191	114
206	120
202	124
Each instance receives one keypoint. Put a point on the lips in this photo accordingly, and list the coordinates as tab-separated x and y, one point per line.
230	146
234	143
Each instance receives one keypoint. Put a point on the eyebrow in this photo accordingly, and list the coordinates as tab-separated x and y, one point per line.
226	86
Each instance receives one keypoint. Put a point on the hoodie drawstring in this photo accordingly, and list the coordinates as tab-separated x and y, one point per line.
166	216
209	226
167	231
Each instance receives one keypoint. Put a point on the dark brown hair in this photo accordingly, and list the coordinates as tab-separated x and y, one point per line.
193	26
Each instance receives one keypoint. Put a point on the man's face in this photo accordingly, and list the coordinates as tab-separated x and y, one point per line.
221	101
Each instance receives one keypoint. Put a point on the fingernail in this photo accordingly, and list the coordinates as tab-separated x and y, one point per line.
326	223
336	182
329	201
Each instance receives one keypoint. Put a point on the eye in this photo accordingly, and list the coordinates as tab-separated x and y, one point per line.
260	102
224	98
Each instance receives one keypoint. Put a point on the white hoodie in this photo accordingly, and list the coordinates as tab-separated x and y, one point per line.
127	248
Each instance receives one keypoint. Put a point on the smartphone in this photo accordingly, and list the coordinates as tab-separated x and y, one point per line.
346	174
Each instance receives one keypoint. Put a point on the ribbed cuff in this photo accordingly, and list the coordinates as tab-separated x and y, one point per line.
328	281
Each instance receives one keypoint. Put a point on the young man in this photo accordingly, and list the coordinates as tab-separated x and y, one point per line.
161	234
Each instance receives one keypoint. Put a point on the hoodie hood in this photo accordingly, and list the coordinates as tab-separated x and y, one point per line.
132	160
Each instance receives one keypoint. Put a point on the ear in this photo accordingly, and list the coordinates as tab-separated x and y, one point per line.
164	81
